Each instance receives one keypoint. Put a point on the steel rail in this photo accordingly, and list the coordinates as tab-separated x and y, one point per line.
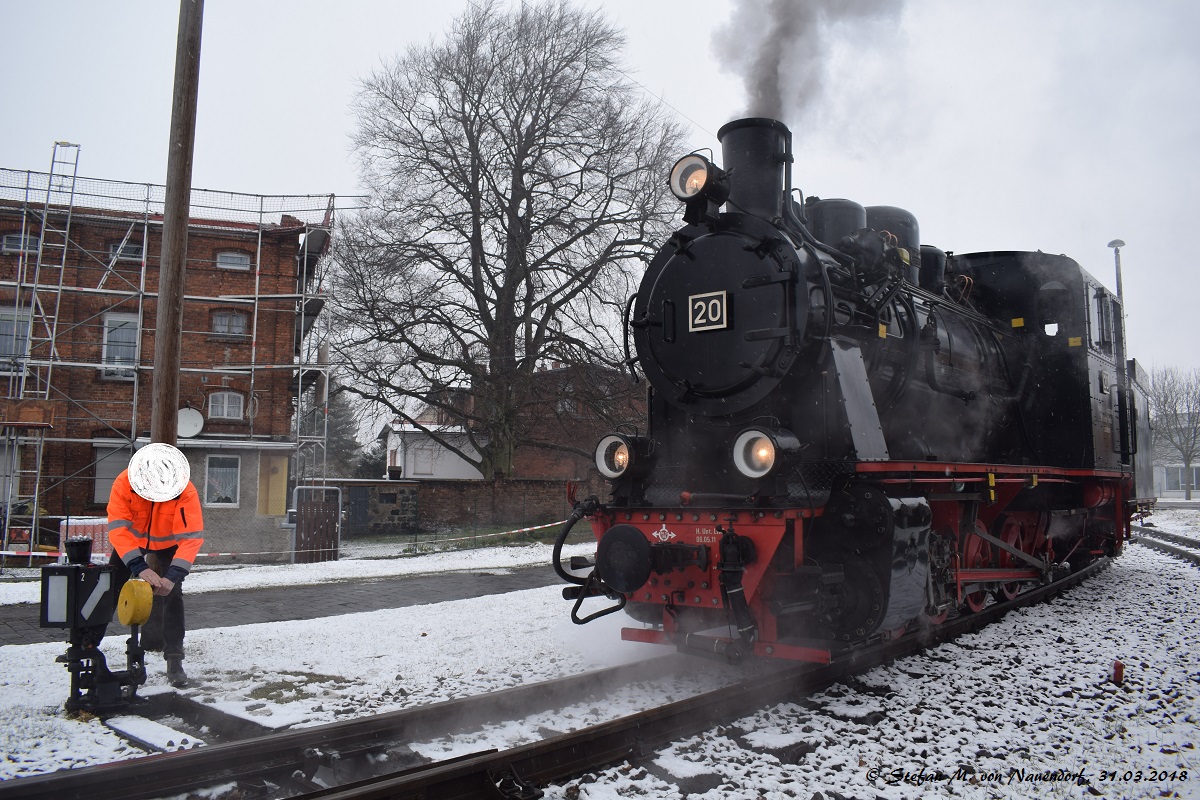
1153	540
1174	538
284	752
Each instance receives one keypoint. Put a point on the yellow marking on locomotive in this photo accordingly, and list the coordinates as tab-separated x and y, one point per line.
1075	341
1018	322
882	331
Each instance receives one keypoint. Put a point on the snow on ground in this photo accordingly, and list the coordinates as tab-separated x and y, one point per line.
978	706
311	672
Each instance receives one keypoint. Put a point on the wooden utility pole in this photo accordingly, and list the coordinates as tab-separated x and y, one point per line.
168	326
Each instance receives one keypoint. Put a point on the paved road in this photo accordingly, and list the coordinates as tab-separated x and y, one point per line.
19	623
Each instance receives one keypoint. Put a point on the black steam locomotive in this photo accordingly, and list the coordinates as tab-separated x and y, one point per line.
850	431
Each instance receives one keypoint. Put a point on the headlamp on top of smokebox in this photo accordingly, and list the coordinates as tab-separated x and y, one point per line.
700	184
618	455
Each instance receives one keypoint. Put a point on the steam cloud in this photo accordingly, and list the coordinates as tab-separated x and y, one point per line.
781	47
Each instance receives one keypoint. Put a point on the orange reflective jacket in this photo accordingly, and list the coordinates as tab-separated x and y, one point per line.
136	524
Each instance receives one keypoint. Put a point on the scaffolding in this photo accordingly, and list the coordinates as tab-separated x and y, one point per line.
73	303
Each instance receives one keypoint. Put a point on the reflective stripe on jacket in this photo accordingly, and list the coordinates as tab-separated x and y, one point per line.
136	524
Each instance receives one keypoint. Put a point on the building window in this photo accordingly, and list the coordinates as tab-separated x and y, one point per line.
1177	479
120	345
1102	322
566	400
14	339
20	243
229	323
109	463
222	476
10	461
233	260
224	405
130	251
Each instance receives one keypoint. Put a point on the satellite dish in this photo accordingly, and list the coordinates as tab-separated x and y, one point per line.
190	423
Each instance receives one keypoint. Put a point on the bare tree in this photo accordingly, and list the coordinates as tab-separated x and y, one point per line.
1175	415
515	181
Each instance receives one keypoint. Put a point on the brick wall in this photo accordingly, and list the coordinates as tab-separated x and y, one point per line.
477	504
407	507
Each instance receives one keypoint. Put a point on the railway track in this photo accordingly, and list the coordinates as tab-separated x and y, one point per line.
1179	546
340	751
296	763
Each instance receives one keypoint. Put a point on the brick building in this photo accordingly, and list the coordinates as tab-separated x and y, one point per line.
79	274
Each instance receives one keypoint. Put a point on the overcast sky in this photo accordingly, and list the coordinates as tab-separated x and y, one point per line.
1013	124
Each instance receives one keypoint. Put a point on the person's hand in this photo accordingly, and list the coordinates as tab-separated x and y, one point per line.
164	587
151	577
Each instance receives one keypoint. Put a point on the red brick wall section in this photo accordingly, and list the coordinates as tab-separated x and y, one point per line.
478	504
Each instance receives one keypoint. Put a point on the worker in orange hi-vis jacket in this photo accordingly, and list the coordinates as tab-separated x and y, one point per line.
156	529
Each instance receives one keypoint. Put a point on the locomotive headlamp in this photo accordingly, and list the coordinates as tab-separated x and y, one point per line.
614	455
694	177
756	452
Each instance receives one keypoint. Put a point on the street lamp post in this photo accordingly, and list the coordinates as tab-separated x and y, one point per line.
1116	245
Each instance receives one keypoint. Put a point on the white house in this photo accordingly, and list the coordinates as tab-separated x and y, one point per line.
412	453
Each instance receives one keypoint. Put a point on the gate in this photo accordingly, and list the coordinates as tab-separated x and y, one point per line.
318	524
357	500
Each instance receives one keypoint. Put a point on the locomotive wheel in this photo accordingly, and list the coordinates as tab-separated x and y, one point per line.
937	619
977	554
1013	534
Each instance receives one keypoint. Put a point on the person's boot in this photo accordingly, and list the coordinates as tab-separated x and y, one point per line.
175	674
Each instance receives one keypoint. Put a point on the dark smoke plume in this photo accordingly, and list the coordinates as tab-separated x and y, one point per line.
780	47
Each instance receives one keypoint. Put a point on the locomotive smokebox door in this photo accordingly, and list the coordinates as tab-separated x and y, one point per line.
76	595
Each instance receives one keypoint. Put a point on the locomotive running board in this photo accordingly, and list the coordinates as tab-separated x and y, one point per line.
716	645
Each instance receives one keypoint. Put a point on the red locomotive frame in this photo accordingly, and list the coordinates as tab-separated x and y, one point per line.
978	567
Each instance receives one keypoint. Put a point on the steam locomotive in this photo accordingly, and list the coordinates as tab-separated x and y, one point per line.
850	432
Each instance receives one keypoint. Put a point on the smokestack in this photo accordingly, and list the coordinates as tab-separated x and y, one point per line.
756	153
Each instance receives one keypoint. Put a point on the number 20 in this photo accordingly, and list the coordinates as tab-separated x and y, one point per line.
707	311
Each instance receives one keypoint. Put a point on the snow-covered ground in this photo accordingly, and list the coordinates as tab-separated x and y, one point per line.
975	710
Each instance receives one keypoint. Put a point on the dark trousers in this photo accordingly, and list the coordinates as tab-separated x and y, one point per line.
166	615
